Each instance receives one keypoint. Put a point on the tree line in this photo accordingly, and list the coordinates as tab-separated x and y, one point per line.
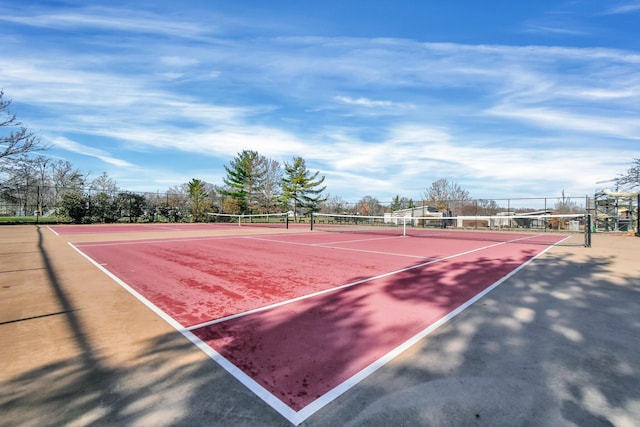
39	185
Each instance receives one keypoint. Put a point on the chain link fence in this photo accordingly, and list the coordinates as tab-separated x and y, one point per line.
29	203
467	207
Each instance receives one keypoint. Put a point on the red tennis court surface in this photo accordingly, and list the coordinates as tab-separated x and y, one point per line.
300	318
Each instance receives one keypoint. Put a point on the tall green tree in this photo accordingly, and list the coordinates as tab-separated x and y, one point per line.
130	205
74	205
103	208
301	188
198	196
395	203
399	203
243	178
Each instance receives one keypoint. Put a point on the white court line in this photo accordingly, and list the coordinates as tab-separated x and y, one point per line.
300	416
167	240
246	380
151	241
359	240
162	227
347	285
326	245
334	393
297	417
52	230
322	243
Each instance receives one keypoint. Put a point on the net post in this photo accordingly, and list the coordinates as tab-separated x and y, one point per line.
286	221
587	231
311	221
404	226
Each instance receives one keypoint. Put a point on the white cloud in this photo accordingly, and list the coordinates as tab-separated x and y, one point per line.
69	145
629	7
544	29
364	102
608	93
618	127
178	61
109	19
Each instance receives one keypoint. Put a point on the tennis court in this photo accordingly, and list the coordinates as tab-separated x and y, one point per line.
263	326
299	318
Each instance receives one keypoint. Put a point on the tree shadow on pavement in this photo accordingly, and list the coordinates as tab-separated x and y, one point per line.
556	344
162	386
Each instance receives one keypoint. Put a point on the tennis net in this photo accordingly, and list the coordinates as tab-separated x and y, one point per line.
278	220
545	229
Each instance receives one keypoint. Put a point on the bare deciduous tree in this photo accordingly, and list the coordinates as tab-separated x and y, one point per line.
631	179
15	139
446	196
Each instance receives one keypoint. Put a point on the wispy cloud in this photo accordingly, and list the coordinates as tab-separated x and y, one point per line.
628	128
364	102
611	94
109	19
628	7
69	145
557	30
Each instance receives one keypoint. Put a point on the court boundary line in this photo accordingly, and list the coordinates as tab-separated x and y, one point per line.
151	241
293	416
326	245
336	288
349	383
170	239
253	386
160	227
144	227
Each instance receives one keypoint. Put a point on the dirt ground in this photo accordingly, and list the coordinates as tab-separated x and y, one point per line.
556	344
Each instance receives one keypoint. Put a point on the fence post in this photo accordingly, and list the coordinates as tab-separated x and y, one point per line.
38	204
638	217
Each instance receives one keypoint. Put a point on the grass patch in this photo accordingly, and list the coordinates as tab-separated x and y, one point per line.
31	220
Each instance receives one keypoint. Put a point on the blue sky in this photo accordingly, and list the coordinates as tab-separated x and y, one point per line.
505	98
